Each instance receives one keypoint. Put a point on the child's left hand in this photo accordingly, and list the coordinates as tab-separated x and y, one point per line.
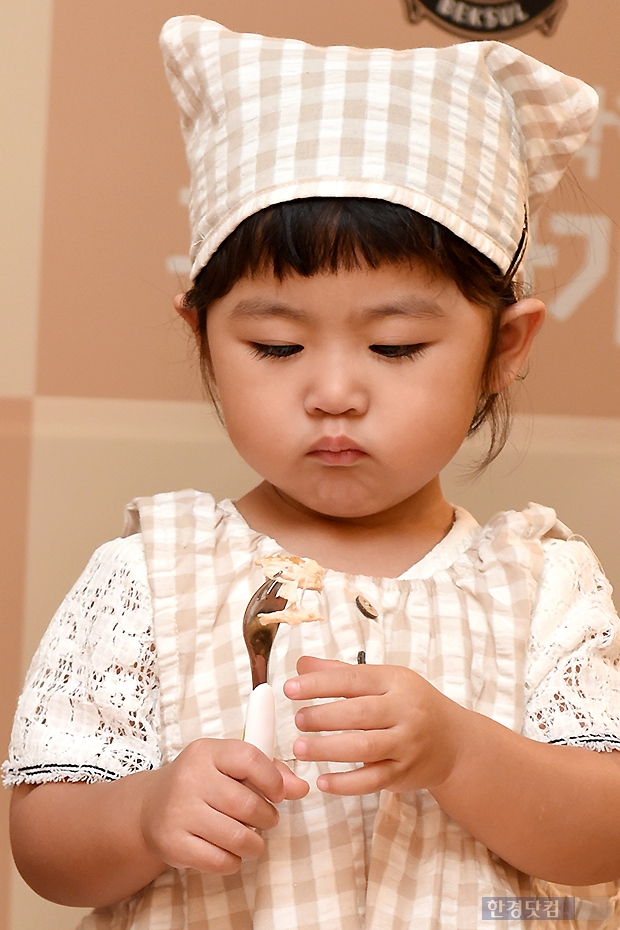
406	733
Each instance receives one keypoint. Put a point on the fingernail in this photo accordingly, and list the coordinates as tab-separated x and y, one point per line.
292	687
299	748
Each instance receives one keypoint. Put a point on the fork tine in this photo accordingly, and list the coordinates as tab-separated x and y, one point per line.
258	638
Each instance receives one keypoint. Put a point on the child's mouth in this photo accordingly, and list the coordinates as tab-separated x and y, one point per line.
344	457
337	450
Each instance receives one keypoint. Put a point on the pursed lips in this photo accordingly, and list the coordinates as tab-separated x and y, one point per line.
337	450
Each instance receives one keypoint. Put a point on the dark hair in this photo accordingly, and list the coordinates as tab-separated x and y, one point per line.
326	234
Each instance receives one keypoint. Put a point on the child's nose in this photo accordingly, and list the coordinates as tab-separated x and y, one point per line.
337	388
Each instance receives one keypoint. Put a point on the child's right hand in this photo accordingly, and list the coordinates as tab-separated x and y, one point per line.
201	811
92	845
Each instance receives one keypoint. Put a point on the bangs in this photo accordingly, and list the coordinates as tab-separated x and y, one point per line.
320	235
326	235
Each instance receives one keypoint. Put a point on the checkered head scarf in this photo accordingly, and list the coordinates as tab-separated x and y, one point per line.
473	136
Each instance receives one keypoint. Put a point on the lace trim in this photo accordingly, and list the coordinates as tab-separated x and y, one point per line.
39	774
90	706
574	663
590	741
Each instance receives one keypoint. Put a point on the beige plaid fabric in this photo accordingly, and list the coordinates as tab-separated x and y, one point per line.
465	135
460	617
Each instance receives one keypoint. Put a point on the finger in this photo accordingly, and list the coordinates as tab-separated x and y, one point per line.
314	664
194	852
339	680
229	833
360	713
366	747
244	762
295	788
240	802
366	780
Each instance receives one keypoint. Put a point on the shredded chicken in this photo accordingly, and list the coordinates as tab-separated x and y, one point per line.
296	576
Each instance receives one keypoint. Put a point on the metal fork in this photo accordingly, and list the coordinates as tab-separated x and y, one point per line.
258	638
260	718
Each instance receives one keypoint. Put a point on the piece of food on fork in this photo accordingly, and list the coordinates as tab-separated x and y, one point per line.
295	576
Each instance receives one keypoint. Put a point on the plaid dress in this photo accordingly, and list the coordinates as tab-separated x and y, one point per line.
462	617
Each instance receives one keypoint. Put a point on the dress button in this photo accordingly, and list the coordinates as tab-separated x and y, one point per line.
366	608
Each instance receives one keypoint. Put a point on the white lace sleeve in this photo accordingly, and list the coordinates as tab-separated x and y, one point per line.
90	706
573	676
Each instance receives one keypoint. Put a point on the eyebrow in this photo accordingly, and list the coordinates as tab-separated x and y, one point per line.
415	307
253	308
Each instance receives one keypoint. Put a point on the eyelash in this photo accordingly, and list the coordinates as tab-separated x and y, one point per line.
399	351
262	350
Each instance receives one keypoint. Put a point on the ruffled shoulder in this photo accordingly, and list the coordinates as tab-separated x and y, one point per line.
508	549
533	523
171	514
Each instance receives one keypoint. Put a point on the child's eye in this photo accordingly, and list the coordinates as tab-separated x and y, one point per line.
262	350
406	351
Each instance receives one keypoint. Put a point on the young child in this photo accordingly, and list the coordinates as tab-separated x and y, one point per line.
359	223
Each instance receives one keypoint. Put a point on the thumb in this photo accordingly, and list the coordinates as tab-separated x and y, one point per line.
294	787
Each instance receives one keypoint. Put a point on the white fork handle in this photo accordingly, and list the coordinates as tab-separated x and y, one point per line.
260	719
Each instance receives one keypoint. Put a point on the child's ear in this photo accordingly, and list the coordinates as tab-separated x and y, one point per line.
519	324
188	313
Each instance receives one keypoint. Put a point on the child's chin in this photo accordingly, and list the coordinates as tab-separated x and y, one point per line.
347	509
339	503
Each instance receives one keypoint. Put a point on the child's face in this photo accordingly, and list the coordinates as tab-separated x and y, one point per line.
349	392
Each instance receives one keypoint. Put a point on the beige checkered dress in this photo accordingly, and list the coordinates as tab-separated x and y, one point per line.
460	617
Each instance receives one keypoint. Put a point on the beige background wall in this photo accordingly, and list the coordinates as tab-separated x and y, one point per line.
99	395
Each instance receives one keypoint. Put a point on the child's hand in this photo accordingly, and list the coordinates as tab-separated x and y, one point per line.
201	811
404	731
